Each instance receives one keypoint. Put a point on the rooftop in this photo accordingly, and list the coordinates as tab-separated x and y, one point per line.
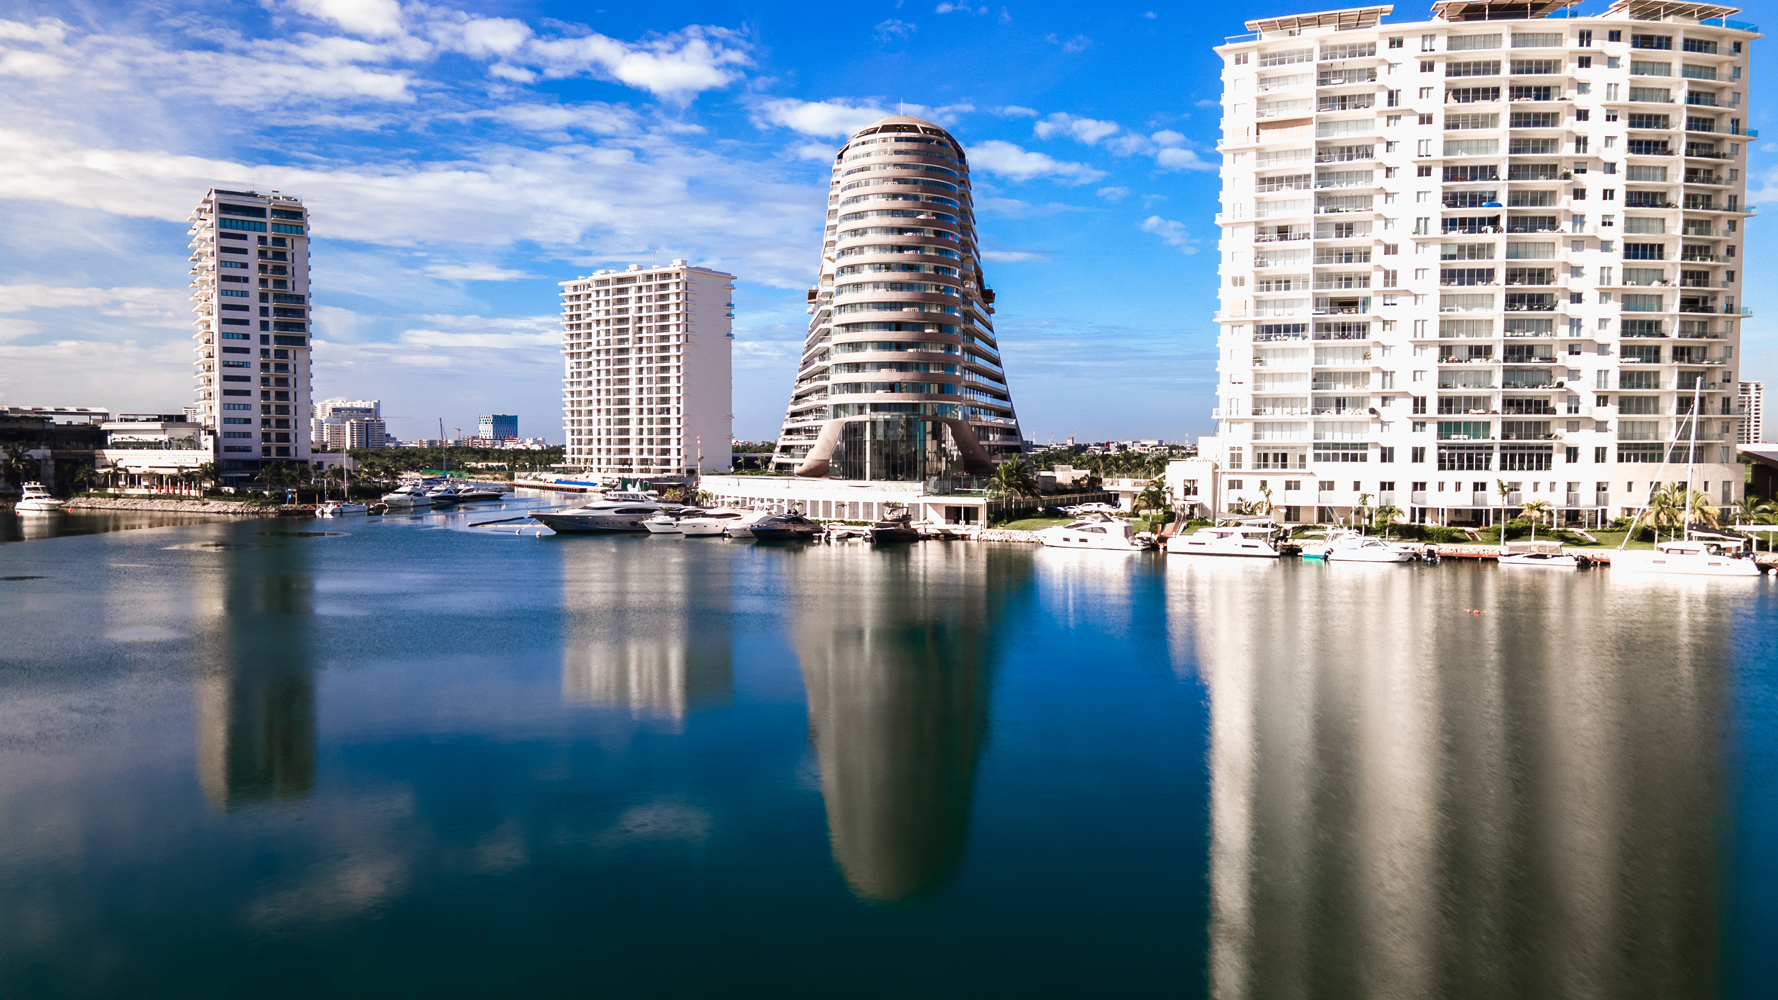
1340	20
1497	10
1660	10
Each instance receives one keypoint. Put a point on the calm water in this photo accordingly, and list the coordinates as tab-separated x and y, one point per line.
403	757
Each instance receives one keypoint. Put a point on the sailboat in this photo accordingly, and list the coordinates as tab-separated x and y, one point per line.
1705	555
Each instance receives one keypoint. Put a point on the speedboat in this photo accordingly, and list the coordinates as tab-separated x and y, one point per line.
341	508
1367	549
709	523
1097	533
668	524
1229	541
742	527
411	495
790	527
605	517
465	493
894	530
1715	556
1544	555
37	500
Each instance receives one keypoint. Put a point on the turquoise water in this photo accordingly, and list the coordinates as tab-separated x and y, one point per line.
373	757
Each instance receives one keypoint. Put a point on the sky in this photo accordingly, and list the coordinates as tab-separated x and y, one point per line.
458	160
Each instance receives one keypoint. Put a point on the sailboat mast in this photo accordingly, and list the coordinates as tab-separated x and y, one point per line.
1691	458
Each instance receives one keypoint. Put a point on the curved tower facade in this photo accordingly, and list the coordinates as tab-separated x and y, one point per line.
900	377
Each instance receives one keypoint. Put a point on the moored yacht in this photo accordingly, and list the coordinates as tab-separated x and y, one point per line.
1226	541
1367	549
1715	555
410	495
791	527
605	517
1097	533
341	508
1537	555
37	500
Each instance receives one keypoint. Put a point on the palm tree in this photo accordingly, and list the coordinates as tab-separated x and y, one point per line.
1264	506
1666	509
1537	510
1014	479
82	477
1362	512
15	464
1386	515
1505	492
1701	510
207	473
1152	497
1752	510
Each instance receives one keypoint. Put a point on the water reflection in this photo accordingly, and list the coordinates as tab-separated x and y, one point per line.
1451	804
255	685
894	652
651	635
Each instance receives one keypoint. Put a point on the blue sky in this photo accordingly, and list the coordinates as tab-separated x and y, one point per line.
459	160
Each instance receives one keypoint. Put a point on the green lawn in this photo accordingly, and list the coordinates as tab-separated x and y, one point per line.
1034	523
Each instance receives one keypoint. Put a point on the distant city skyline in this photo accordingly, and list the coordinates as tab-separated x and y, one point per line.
458	162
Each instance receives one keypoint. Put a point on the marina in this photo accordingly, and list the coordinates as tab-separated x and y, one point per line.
282	741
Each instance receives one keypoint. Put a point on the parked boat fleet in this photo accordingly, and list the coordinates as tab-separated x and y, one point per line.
632	513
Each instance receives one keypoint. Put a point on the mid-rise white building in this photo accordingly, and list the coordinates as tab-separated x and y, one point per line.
1753	413
1498	245
250	294
647	370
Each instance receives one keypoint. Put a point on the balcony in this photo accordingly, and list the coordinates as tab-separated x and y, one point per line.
1417	498
1482	499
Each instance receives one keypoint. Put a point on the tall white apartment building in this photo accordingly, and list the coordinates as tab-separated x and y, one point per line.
250	294
1499	245
647	378
1753	413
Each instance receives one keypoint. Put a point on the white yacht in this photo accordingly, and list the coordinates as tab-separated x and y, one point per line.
37	500
1715	555
1096	533
711	523
341	508
742	527
1537	555
1366	549
1229	541
411	495
605	517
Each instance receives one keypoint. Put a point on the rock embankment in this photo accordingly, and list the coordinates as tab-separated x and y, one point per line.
170	506
1006	535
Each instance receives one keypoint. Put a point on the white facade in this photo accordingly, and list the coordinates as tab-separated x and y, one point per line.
1753	413
647	370
1463	251
250	297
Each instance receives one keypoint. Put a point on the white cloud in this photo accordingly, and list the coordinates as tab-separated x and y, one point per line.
1016	163
1168	138
959	8
1083	130
825	118
1015	111
372	18
1208	102
894	28
817	151
1182	159
1079	43
473	272
675	66
1171	233
1149	15
1113	193
1012	256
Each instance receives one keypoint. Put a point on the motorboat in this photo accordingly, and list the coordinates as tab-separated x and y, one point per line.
892	531
410	495
466	493
37	500
790	527
1367	549
605	517
1538	555
1097	533
341	508
1712	556
742	527
668	524
1226	541
711	523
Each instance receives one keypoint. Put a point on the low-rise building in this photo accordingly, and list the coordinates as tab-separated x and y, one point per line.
59	439
846	500
153	452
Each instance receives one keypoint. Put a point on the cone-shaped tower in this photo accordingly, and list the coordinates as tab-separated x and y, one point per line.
900	376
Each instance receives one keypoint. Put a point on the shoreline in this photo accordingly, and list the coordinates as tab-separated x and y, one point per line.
220	507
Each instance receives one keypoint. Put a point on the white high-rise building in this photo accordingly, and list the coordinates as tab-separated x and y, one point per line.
250	294
1498	245
901	377
647	370
1753	413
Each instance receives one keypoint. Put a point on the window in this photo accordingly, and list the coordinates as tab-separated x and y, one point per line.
1427	66
1386	455
1417	455
1423	170
1396	43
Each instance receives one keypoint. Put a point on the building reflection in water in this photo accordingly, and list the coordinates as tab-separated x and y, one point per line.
1410	800
895	649
256	686
648	635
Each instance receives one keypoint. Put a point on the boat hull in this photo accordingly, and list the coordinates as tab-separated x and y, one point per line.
593	524
1666	564
1184	546
1540	562
37	507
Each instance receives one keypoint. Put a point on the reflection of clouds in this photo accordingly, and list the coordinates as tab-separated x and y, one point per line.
346	888
647	634
504	849
894	648
660	821
1405	796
